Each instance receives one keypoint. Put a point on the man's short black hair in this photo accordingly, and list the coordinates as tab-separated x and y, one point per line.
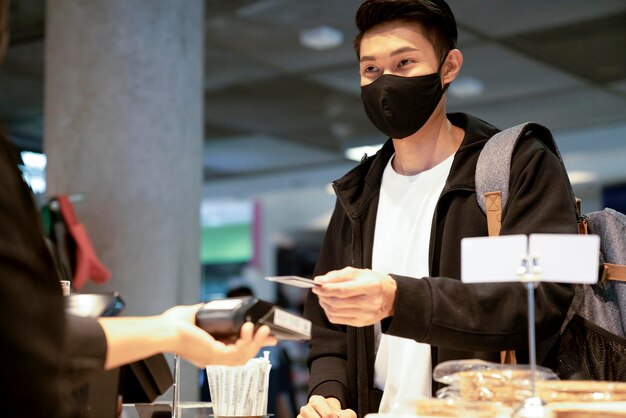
434	17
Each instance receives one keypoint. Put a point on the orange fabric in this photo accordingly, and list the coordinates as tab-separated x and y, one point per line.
494	222
508	357
494	212
614	272
87	266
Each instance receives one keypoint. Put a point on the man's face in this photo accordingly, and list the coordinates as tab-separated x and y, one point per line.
397	48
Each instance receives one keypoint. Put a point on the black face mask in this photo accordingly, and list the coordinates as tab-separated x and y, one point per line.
400	106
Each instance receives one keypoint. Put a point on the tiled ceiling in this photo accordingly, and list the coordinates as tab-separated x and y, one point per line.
559	62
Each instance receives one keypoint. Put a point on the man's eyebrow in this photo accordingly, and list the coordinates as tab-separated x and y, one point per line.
393	53
403	50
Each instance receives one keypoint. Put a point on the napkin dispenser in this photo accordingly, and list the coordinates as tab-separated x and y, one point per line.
223	318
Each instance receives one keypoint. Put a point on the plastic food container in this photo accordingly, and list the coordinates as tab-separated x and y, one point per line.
581	391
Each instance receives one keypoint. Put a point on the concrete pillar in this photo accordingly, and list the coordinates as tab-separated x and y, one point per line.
124	125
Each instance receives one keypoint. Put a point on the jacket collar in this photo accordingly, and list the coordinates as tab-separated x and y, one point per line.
359	186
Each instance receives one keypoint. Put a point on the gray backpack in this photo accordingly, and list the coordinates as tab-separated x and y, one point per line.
592	343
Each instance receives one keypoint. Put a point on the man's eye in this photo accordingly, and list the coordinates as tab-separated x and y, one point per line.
369	69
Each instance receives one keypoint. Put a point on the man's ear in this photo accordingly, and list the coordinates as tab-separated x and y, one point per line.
451	66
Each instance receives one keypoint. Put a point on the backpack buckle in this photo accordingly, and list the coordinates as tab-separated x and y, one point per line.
583	225
603	276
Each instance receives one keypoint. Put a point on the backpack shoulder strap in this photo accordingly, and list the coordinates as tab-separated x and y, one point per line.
493	169
610	225
616	272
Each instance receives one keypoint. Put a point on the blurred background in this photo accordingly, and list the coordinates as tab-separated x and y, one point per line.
263	98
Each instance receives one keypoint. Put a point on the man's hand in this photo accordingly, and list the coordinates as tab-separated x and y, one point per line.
356	297
320	407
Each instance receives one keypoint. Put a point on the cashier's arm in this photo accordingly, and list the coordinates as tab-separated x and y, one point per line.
133	338
320	407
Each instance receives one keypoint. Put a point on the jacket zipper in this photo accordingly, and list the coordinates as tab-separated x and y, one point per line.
433	228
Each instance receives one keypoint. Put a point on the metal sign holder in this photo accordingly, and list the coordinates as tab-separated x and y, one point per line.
165	410
176	389
529	273
564	256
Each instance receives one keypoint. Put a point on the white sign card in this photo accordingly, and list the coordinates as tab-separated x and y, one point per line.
492	259
564	258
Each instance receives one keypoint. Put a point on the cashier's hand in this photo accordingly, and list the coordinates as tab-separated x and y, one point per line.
320	407
356	297
197	346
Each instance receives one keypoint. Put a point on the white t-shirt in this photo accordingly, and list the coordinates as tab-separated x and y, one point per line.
401	245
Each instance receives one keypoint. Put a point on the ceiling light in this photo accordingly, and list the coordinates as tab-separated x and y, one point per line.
466	87
34	171
34	160
321	38
357	153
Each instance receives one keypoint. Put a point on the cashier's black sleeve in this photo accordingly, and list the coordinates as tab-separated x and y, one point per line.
85	348
31	303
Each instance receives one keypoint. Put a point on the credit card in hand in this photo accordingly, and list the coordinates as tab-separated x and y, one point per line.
293	281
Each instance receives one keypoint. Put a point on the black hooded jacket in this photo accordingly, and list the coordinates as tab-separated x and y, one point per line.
459	321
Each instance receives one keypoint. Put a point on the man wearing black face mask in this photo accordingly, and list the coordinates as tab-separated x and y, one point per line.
391	305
